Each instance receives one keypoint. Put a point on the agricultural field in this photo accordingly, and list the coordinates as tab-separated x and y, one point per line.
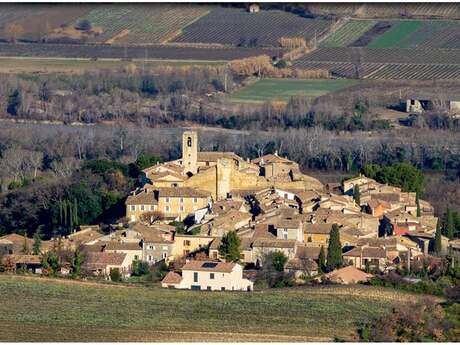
51	310
387	10
347	33
142	23
235	26
68	65
389	55
412	64
124	52
31	18
398	32
282	89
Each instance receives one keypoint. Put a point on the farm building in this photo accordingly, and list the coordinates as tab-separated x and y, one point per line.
421	103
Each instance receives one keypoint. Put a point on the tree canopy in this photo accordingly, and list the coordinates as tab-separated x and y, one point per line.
230	247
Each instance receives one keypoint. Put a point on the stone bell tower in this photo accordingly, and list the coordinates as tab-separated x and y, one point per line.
190	152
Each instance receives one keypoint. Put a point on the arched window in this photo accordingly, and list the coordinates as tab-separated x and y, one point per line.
189	141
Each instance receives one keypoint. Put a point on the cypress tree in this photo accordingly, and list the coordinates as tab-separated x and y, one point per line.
37	243
437	239
25	246
450	226
417	201
64	208
61	216
357	195
75	212
321	260
70	206
334	250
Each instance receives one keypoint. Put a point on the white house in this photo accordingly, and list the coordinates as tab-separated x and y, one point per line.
209	275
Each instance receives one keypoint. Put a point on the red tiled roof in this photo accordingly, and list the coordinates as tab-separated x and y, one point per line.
209	266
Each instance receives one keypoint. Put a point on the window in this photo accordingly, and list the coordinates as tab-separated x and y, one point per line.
186	243
181	208
241	256
208	288
195	200
151	208
133	207
195	277
136	257
151	247
166	208
222	288
167	199
211	275
189	141
181	200
142	207
164	255
286	196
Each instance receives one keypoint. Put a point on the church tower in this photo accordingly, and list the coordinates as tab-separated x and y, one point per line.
190	152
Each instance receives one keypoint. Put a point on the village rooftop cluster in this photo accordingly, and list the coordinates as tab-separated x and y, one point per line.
185	208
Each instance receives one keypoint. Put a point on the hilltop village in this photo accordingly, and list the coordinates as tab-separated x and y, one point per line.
188	213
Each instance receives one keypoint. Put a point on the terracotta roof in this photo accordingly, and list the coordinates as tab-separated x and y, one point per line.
388	197
23	259
224	206
209	266
348	275
316	228
85	235
301	264
142	198
160	176
310	252
152	234
261	231
374	202
102	260
172	278
367	252
212	156
115	245
274	243
185	192
271	158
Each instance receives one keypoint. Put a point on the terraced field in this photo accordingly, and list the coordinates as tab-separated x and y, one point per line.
347	33
133	52
234	26
417	64
142	23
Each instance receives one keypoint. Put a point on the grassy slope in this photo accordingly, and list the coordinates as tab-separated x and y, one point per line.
267	89
49	310
393	37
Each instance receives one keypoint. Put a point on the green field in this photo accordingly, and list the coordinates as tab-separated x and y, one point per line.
347	33
35	309
396	34
282	89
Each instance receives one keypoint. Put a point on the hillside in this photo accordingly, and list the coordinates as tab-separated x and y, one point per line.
50	310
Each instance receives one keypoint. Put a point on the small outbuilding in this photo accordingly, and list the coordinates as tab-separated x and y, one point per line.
254	8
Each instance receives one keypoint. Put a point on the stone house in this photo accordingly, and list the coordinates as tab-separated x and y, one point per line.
187	244
102	263
209	275
133	250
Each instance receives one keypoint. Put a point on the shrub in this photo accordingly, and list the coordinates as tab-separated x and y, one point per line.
140	268
115	275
